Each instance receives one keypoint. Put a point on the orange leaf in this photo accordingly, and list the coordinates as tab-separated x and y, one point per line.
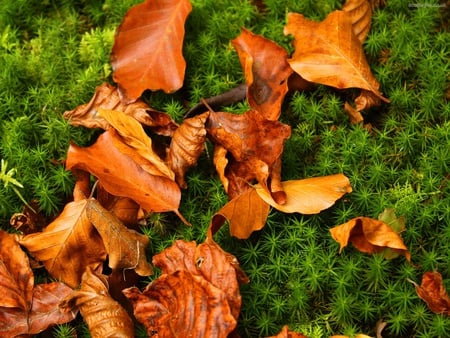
370	236
147	51
120	175
103	315
286	333
245	213
360	13
266	72
68	245
432	291
329	53
311	195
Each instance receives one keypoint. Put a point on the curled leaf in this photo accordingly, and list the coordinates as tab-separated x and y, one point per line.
432	291
360	13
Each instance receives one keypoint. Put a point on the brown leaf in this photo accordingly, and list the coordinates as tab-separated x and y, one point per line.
266	72
370	236
68	245
107	97
355	115
360	14
432	291
103	315
366	100
120	175
245	213
221	162
147	51
188	142
286	333
125	247
310	195
329	53
28	221
25	308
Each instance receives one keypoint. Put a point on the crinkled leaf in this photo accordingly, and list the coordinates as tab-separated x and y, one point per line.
370	236
266	72
432	291
310	195
147	51
68	245
360	14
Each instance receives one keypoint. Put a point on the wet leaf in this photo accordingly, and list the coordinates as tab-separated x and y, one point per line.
266	72
329	53
147	51
370	236
120	175
25	308
310	195
432	291
360	14
103	315
188	142
68	245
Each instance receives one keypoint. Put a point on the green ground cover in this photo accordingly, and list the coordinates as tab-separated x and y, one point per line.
54	53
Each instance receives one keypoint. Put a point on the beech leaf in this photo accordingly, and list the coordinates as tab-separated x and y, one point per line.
310	195
147	51
370	236
329	53
360	14
432	291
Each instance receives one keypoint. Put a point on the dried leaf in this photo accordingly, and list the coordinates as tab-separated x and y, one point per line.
266	72
147	51
120	175
355	116
25	308
360	13
329	53
366	100
286	333
245	213
125	247
103	315
187	144
311	195
370	236
432	291
221	162
107	97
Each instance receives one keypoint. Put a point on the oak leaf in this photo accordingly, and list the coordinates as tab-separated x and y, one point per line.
120	175
432	291
103	315
147	51
266	72
107	97
370	236
26	308
329	53
360	14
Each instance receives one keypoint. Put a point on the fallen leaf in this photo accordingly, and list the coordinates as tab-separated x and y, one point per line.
68	245
432	291
366	100
147	51
286	333
360	13
188	142
245	213
221	162
370	236
103	315
107	97
26	309
120	175
360	335
329	53
355	115
310	195
266	72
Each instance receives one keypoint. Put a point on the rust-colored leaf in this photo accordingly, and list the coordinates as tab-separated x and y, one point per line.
360	13
245	213
310	195
68	245
221	162
370	236
329	53
188	142
147	51
355	115
125	247
432	291
103	315
120	175
25	308
266	72
107	97
286	333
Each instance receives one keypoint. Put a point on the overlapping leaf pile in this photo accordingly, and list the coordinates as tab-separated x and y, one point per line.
136	175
